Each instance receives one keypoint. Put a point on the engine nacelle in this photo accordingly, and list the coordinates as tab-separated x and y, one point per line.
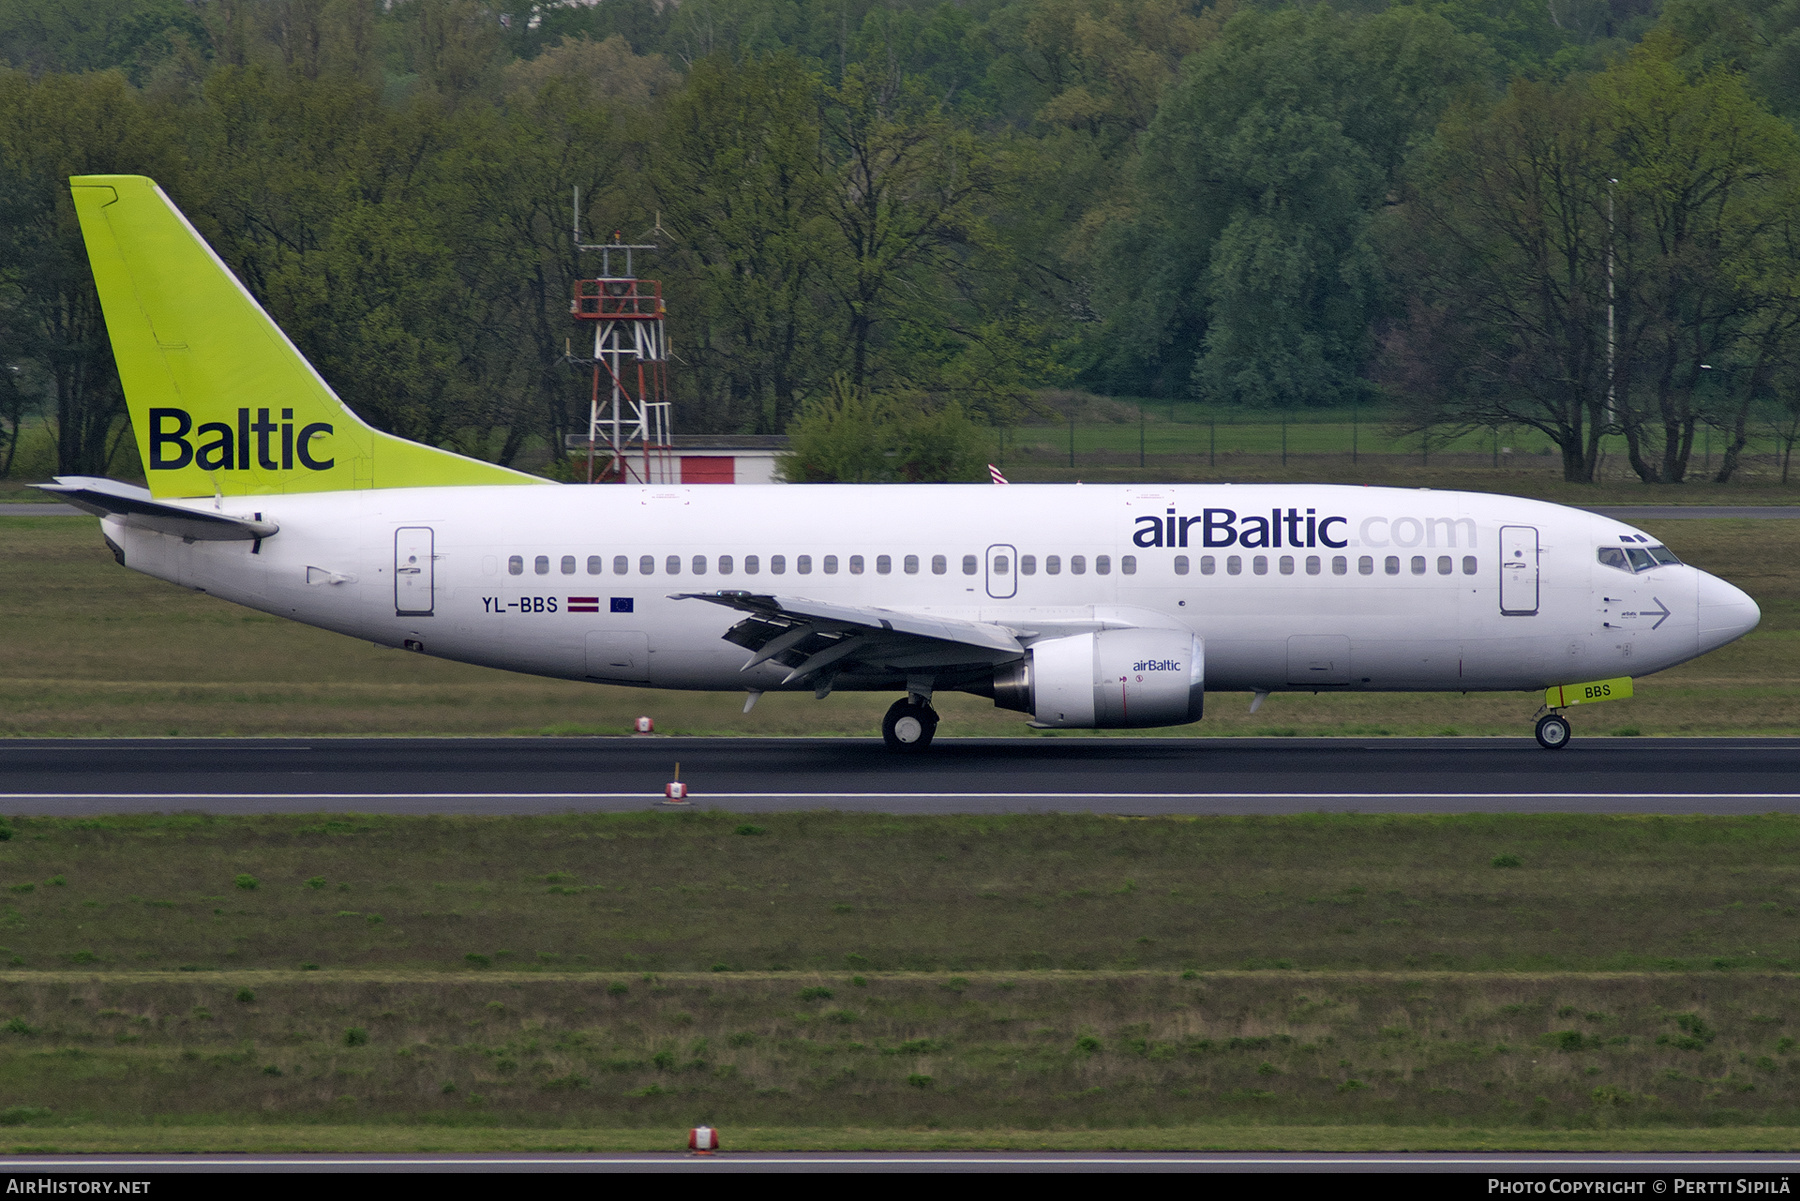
1110	680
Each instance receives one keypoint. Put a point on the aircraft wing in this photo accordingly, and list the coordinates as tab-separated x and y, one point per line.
103	498
817	639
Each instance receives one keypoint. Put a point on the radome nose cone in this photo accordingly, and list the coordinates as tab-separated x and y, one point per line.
1725	612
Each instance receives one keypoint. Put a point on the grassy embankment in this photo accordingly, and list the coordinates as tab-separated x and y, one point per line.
91	649
864	980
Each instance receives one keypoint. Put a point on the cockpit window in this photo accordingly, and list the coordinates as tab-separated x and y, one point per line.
1636	558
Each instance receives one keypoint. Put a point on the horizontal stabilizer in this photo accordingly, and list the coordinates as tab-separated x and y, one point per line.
104	498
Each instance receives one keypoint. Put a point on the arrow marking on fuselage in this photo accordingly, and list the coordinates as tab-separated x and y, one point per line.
1665	613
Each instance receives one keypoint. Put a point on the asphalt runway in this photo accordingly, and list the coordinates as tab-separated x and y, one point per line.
1771	1167
957	775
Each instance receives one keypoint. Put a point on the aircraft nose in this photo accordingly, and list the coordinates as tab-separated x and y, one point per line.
1725	612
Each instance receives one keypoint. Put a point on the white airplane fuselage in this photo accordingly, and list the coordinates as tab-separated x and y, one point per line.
1285	586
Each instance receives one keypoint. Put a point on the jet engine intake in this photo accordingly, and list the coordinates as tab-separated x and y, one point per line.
1109	680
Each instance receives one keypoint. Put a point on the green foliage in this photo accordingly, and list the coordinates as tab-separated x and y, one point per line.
356	1036
847	436
20	1115
245	881
1507	861
245	996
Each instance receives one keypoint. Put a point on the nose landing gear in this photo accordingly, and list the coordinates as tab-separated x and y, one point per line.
1553	731
909	725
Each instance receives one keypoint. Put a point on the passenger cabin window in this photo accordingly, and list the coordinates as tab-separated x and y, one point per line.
568	564
1391	565
647	565
1444	565
621	565
516	565
1206	564
829	564
1102	564
1314	565
699	565
1468	564
1128	564
593	564
1418	564
939	565
1027	564
910	565
1365	565
541	565
1340	565
1287	565
1234	565
1002	565
1077	564
725	564
971	565
777	564
1181	564
1052	564
752	565
856	565
883	564
672	565
803	564
1260	565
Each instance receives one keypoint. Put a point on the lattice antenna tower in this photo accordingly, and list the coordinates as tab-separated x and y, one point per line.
628	406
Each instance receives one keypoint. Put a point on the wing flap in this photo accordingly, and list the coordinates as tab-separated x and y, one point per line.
818	639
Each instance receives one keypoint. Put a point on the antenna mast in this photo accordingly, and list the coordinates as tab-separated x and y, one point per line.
628	406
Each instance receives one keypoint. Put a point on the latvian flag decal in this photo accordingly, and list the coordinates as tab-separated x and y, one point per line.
584	604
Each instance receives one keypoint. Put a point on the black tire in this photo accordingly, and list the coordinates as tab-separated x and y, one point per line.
1553	731
908	726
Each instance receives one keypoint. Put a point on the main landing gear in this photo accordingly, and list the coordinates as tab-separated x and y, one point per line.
909	725
1553	731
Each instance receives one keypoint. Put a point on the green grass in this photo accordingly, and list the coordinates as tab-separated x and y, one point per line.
92	649
1031	1051
398	1139
686	892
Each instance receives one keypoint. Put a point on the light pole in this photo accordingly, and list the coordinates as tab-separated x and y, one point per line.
1611	340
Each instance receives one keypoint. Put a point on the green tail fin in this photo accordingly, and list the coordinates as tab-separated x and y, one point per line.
220	400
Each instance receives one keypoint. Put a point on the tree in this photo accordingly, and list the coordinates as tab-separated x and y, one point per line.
1705	177
850	435
50	129
902	189
1659	199
1500	247
737	176
1243	269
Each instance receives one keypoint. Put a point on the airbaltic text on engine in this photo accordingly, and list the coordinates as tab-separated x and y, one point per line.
1220	528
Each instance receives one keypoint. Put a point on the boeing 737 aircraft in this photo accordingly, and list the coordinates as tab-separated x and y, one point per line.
1108	607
